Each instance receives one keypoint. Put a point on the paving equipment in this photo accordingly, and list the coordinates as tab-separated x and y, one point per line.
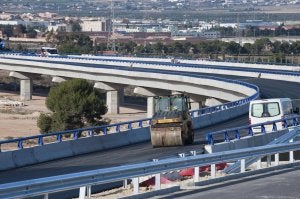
171	123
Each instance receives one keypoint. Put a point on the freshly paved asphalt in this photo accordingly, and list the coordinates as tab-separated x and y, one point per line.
276	185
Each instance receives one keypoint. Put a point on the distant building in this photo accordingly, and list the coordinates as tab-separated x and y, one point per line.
137	27
258	23
94	25
198	33
47	15
53	26
25	23
12	23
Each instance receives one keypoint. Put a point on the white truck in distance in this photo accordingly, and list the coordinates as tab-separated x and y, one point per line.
266	110
46	51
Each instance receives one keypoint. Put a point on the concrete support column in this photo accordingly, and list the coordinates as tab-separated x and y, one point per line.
195	105
25	84
150	107
112	102
197	101
112	95
26	89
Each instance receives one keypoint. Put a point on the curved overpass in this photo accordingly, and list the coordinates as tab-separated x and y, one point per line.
145	77
138	152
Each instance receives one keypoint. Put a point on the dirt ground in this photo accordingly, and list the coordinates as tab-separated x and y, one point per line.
22	122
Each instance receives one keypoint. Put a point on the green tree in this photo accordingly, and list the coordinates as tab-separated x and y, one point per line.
75	43
44	123
233	48
74	104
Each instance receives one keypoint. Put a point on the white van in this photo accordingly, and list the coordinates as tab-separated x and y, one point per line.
265	110
45	51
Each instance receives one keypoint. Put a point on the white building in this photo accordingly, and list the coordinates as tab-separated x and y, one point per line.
57	27
12	23
94	25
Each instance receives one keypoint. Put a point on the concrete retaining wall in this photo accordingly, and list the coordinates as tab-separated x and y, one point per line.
245	142
39	154
220	116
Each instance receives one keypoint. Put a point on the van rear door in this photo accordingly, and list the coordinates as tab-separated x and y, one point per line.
261	112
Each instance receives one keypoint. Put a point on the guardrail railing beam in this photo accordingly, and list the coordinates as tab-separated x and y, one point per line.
36	187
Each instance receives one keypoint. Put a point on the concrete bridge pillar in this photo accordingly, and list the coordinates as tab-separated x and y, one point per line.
150	107
113	95
113	102
25	85
150	93
195	105
197	101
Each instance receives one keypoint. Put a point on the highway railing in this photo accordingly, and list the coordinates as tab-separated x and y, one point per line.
78	133
236	133
84	180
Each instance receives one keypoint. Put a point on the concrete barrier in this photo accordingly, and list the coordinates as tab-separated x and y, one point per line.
245	142
220	116
39	154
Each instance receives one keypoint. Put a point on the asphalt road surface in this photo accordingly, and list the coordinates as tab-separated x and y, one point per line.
277	185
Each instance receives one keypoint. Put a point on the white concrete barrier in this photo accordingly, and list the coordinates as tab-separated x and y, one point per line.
220	116
39	154
245	142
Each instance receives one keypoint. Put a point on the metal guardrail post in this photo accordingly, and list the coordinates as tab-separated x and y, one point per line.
46	196
136	187
40	141
269	162
91	133
82	192
243	165
196	169
258	164
157	178
213	171
291	153
276	159
125	183
88	191
181	155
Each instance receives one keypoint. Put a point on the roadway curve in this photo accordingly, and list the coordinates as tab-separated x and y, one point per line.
144	151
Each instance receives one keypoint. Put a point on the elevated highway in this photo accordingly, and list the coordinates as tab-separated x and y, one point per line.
112	77
144	151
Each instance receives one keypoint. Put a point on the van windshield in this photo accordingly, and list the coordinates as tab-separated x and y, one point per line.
270	109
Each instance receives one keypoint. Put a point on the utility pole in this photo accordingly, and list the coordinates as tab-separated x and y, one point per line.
111	41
